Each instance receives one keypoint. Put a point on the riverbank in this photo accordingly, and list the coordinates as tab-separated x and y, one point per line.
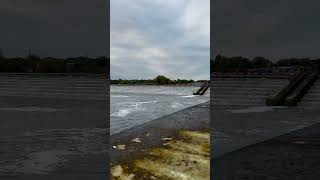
158	140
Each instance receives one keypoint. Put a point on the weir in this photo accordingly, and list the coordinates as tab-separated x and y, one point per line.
294	92
204	87
237	92
74	86
62	116
245	130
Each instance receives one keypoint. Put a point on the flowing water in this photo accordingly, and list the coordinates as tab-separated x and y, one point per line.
134	105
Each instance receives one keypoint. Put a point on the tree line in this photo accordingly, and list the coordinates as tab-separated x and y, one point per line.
35	64
242	64
159	80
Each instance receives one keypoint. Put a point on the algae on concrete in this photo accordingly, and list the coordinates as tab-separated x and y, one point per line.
185	157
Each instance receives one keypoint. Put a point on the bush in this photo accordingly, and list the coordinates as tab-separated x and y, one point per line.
162	80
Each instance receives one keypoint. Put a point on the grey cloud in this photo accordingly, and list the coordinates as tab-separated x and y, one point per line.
54	27
152	37
274	29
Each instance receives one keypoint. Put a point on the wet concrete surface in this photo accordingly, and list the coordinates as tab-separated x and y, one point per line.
235	129
292	156
135	143
53	137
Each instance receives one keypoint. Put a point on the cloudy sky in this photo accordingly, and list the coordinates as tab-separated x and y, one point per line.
60	28
169	37
269	28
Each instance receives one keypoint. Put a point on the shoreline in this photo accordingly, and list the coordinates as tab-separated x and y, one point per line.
118	85
180	85
133	144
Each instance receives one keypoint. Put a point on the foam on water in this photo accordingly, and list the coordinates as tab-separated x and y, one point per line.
123	112
188	96
119	96
146	103
176	105
130	107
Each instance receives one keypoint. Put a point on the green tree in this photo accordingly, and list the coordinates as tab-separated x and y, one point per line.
162	80
261	62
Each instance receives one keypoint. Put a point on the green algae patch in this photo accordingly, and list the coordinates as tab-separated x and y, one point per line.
196	135
185	157
117	172
206	148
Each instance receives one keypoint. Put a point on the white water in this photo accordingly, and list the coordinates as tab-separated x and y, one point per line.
134	105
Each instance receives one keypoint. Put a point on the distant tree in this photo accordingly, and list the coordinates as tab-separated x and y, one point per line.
162	80
261	62
124	82
294	62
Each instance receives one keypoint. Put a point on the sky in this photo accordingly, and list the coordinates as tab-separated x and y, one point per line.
160	37
59	28
271	28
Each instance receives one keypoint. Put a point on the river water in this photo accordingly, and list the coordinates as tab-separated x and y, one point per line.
134	105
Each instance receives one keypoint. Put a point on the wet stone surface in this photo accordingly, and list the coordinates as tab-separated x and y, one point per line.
295	155
176	146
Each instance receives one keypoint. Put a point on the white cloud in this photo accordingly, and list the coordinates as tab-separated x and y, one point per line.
160	37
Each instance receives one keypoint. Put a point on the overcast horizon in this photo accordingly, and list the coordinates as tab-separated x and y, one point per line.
54	28
149	38
272	29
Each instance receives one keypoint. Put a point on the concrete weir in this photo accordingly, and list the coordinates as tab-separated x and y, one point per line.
202	89
60	86
176	146
253	141
53	127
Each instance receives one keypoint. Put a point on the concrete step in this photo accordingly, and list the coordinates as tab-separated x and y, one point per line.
305	104
53	83
312	98
249	90
237	95
239	104
238	99
248	79
253	93
34	90
253	84
232	93
233	106
245	86
55	95
315	90
66	88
